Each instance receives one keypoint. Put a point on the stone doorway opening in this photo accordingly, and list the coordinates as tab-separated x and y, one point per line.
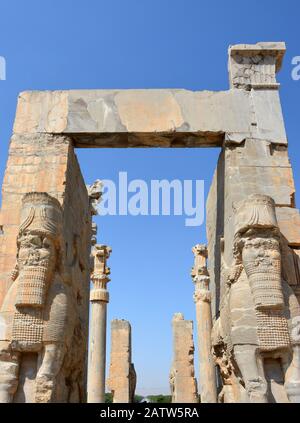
151	258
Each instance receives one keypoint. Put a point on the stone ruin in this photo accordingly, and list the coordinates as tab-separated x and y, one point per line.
247	280
183	383
122	376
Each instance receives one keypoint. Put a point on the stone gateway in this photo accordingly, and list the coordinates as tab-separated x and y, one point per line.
247	279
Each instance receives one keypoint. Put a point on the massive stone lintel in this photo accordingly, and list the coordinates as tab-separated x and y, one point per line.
151	118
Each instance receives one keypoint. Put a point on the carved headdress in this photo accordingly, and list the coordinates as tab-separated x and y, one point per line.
255	212
264	271
42	214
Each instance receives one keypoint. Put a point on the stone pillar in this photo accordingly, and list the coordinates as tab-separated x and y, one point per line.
260	164
99	298
202	298
122	375
42	169
252	163
182	376
254	169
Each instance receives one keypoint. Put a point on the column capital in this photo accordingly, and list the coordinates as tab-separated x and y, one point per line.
202	292
200	257
200	250
254	66
100	273
200	274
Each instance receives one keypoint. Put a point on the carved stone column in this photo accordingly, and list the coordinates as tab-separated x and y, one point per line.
99	298
202	298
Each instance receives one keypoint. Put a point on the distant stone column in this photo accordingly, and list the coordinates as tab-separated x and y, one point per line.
122	376
99	298
182	381
202	298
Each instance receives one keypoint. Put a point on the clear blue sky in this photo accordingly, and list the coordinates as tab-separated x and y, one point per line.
68	44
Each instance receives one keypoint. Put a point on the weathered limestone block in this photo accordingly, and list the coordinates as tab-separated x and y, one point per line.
99	298
267	123
257	163
255	65
46	165
254	152
257	333
154	118
122	376
290	263
202	298
46	113
289	223
182	377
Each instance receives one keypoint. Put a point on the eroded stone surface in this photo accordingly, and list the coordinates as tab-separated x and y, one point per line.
289	223
259	314
154	117
255	65
99	298
182	376
122	375
39	315
202	298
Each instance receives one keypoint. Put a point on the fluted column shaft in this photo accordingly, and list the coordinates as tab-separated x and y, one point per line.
202	298
99	298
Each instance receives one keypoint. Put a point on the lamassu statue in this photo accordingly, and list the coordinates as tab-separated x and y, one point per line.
36	316
256	338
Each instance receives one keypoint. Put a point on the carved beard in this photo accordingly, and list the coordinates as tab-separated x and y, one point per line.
33	284
264	276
